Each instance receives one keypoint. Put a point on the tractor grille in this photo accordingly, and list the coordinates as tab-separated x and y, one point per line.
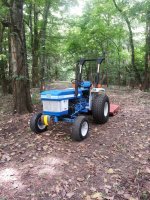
55	106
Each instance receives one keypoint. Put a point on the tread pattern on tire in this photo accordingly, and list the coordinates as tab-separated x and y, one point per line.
98	109
76	129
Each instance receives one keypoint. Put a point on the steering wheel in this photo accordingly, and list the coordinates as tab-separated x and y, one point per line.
73	81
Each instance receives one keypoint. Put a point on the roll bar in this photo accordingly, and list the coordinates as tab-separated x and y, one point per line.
83	60
80	63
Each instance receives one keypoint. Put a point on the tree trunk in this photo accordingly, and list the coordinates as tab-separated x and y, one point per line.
21	87
43	39
146	83
3	62
35	47
10	89
138	77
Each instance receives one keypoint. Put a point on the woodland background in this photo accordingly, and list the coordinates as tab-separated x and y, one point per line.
40	41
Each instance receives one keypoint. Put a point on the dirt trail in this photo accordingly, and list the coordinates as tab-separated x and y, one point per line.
112	164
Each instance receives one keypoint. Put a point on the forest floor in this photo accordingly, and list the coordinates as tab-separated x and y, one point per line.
112	164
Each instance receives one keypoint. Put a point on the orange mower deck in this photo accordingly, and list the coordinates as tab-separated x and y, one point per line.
113	109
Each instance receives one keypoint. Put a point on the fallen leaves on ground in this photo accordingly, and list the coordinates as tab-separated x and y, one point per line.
112	164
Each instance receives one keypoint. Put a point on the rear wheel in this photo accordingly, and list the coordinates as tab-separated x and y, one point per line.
36	125
100	109
80	129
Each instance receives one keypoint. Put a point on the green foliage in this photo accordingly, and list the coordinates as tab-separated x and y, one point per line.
100	29
70	37
35	98
3	57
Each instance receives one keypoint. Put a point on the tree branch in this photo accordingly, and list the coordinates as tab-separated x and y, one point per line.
118	8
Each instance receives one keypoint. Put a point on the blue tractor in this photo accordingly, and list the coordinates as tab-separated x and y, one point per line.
72	105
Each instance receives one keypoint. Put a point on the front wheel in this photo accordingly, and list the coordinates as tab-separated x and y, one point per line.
36	125
80	129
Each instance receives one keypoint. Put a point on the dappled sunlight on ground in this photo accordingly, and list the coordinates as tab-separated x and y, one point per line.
49	166
10	179
46	170
23	177
8	174
48	160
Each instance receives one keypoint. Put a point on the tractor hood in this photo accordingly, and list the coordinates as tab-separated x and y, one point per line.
68	93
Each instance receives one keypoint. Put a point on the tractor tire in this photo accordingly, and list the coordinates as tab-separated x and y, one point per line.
100	109
36	124
80	129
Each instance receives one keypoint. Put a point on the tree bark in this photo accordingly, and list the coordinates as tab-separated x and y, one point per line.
21	87
146	83
2	28
10	89
35	47
138	77
43	39
3	62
